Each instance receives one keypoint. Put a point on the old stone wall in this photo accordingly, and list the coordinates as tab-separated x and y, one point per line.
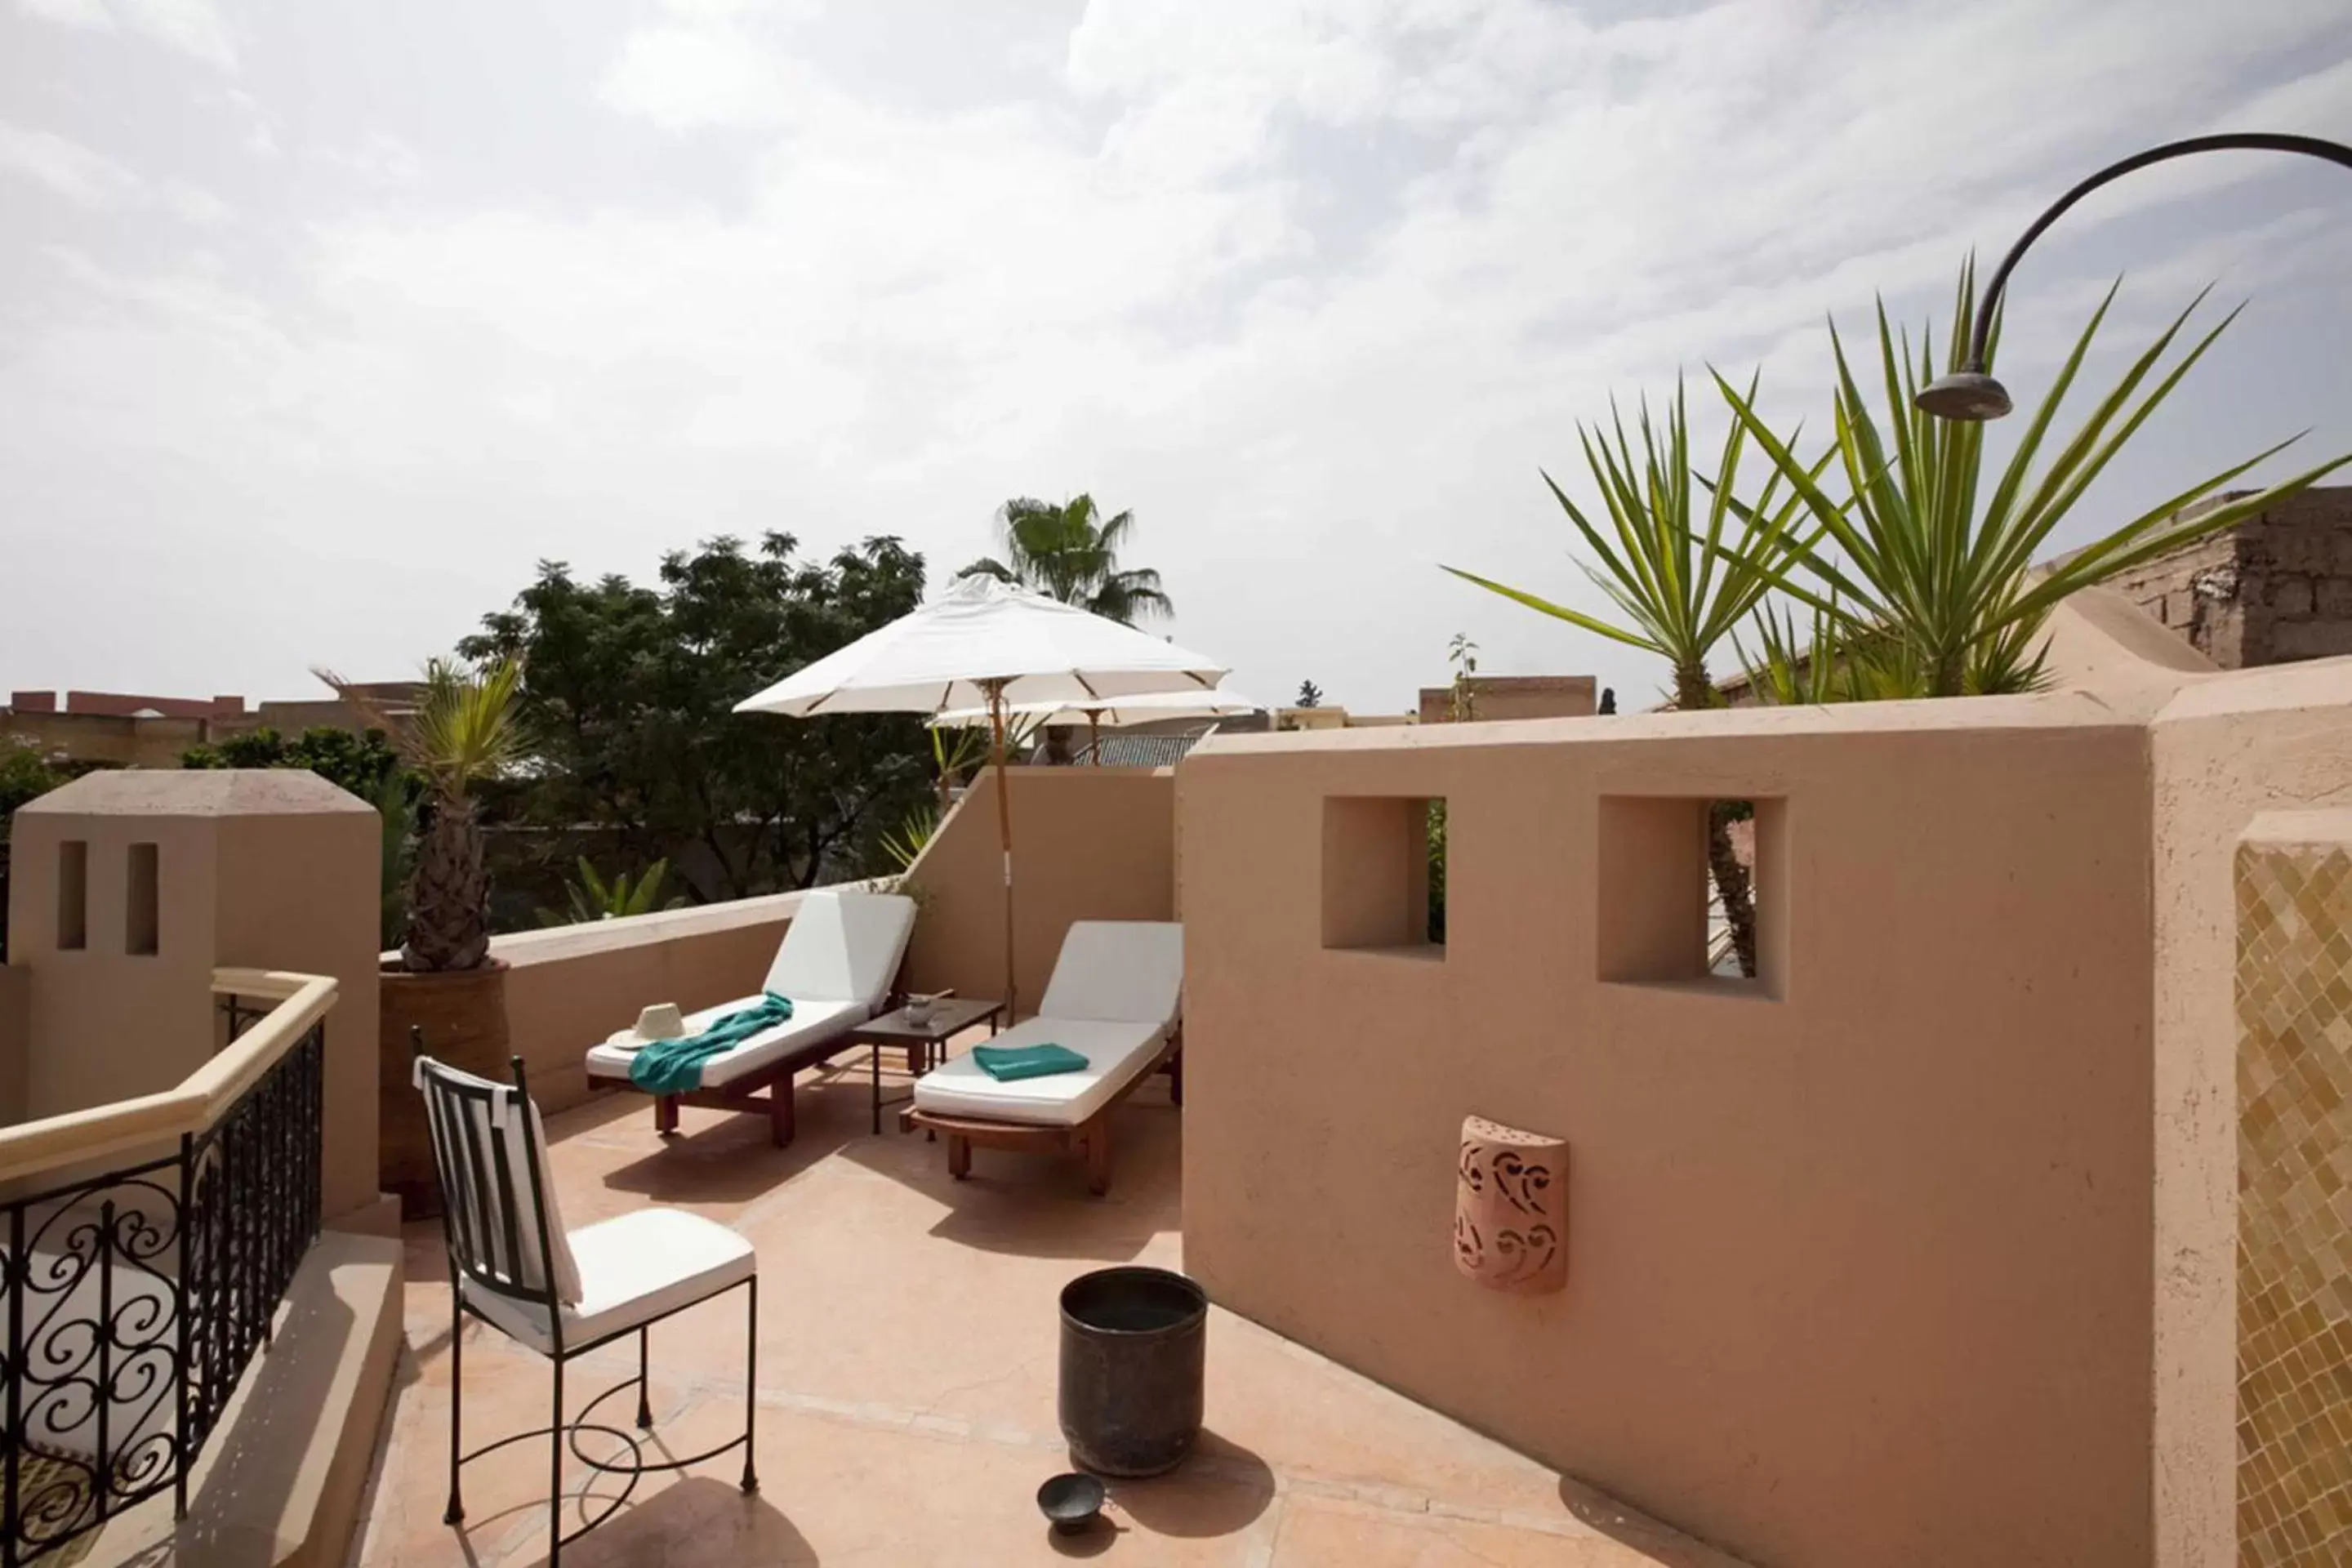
2275	589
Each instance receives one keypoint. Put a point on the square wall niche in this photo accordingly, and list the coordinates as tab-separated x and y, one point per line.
1381	857
1654	883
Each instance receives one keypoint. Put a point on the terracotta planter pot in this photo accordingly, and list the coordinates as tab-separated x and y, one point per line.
463	1014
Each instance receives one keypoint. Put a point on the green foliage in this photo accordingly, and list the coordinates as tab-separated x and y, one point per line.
395	805
1309	695
464	731
1436	836
1680	590
1071	554
630	701
905	842
1462	699
360	764
1911	557
25	776
1842	663
468	727
957	752
593	899
367	765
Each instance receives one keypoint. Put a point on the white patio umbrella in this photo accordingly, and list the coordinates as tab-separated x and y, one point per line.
987	644
1116	712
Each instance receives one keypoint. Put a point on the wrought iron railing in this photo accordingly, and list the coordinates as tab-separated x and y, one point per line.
133	1299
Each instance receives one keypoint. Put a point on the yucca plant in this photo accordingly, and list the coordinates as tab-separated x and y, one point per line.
589	897
1910	555
1840	663
904	844
1681	589
466	727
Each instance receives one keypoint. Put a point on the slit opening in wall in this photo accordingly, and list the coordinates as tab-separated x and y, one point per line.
73	895
1672	869
1731	883
141	923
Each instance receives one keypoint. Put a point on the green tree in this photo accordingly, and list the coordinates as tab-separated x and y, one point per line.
1679	590
366	766
1071	553
1309	695
630	699
26	775
1919	589
360	764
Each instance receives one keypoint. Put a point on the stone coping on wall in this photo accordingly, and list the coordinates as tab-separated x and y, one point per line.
557	944
2044	710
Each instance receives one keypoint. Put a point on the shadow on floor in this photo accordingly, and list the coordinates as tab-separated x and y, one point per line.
1037	1206
730	1158
701	1520
1220	1490
1660	1542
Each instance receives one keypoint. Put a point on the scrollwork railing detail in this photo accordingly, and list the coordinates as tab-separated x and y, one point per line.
134	1300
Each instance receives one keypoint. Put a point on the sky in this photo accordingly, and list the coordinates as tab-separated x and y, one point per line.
322	323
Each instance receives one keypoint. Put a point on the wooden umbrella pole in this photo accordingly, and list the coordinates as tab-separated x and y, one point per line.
1094	735
1004	834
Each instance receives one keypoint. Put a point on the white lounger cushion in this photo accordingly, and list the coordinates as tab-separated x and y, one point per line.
1115	1051
810	1022
842	947
632	1270
1132	970
835	964
1116	995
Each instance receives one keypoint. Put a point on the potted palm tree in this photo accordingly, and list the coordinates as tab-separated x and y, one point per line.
443	985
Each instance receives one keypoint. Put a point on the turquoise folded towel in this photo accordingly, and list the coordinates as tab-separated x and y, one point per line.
675	1067
1006	1063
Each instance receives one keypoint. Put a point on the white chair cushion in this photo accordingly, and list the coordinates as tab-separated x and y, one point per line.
521	1179
634	1269
811	1023
1116	1052
1129	970
842	947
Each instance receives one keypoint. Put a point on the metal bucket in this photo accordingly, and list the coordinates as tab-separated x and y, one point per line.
1133	1346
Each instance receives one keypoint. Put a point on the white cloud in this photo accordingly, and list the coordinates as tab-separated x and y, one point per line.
194	28
87	179
1313	287
379	161
96	182
195	204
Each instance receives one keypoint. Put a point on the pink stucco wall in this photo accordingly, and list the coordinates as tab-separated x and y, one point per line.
1859	1263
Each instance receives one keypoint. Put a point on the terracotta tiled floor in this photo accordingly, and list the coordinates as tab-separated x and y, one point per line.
907	1341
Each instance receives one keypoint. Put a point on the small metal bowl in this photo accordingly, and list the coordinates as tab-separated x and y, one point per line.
1071	1502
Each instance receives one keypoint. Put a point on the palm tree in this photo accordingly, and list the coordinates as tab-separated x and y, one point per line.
1071	554
466	728
1680	592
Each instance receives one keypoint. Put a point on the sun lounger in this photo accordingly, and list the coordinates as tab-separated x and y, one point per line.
1115	998
837	962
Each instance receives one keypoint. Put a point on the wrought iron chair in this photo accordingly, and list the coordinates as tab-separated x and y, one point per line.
514	1266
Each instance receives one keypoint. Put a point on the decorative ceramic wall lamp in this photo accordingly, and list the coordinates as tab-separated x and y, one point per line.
1510	1208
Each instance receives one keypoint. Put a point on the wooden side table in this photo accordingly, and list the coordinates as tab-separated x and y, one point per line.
926	1044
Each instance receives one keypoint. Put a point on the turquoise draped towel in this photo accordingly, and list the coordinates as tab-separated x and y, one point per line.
1005	1063
675	1067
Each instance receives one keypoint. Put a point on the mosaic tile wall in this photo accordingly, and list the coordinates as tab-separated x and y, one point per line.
2295	1203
